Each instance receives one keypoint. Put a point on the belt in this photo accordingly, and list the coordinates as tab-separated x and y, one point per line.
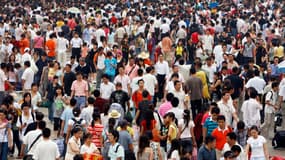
79	96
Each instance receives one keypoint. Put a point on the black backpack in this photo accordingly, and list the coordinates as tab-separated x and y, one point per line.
279	139
76	124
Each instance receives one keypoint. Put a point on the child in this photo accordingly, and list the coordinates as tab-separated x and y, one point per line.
241	133
88	147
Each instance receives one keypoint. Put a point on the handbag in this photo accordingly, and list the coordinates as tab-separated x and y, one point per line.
29	156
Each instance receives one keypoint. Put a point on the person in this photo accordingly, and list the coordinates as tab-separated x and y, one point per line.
76	120
76	44
99	59
231	141
166	106
211	122
58	105
256	82
110	65
31	140
83	67
79	90
162	69
100	103
257	143
95	129
74	144
143	107
50	94
172	128
107	87
36	98
150	80
220	134
86	113
25	119
228	155
137	96
88	147
145	152
180	94
51	47
207	151
175	150
5	135
186	133
177	111
194	87
68	79
123	79
28	76
132	68
148	122
120	96
116	151
62	44
34	125
126	141
46	149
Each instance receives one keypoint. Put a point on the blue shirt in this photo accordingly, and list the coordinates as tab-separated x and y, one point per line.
210	125
111	65
274	69
65	116
205	154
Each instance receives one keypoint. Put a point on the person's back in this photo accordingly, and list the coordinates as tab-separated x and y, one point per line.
194	85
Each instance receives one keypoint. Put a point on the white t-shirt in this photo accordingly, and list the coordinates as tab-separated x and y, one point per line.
30	138
106	90
26	57
35	99
89	150
76	42
99	33
210	70
257	146
71	122
178	112
181	96
28	76
62	44
46	150
272	97
257	83
175	155
227	110
3	78
149	82
186	133
164	28
26	120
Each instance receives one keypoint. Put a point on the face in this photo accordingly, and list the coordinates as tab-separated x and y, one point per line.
27	98
161	58
26	109
175	69
221	124
214	116
111	137
121	70
35	88
79	77
226	96
81	62
2	116
254	133
132	61
212	145
178	86
141	84
78	134
105	80
58	91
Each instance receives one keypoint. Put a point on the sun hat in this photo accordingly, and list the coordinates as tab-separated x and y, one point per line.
114	114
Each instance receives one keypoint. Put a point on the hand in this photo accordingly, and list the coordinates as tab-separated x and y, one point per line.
134	121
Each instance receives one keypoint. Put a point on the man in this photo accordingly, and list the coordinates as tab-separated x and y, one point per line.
231	141
208	42
180	94
62	44
126	141
211	122
27	77
98	60
137	96
123	79
33	138
175	69
134	83
227	109
87	112
34	125
79	90
207	151
51	47
236	82
83	67
220	134
175	109
166	48
194	88
249	49
26	56
228	155
150	81
68	79
76	44
24	43
256	82
210	69
164	28
162	69
120	96
73	63
46	149
274	67
100	103
271	105
41	63
116	151
131	70
50	94
107	87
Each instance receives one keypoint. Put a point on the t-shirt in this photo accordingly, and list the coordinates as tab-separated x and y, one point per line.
143	107
51	46
46	150
88	149
106	90
256	145
96	131
221	136
210	125
113	155
3	78
125	139
186	132
28	76
121	97
30	138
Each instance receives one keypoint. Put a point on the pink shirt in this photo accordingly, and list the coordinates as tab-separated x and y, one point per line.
38	42
205	116
79	88
132	73
125	80
164	108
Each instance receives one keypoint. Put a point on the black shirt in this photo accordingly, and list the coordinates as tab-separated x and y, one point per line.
237	83
85	70
68	78
40	64
121	97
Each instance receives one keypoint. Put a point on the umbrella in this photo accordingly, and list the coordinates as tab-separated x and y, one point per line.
73	10
281	67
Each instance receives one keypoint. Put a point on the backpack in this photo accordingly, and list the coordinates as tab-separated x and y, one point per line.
21	118
279	140
76	124
106	147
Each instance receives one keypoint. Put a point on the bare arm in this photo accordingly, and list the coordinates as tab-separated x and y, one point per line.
265	151
204	133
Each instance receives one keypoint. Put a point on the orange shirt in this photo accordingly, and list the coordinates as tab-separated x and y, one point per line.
51	45
221	137
166	44
137	98
24	43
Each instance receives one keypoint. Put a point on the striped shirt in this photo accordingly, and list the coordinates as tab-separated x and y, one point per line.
96	131
210	125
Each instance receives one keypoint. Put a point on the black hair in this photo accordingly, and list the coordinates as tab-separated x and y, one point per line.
76	130
62	91
140	72
232	136
148	69
90	100
274	84
41	125
116	134
175	145
253	92
192	70
96	93
27	63
143	143
111	124
105	76
73	101
175	102
240	125
228	154
254	127
25	104
221	117
209	139
145	93
95	116
215	110
169	96
78	157
39	116
140	80
46	132
76	112
236	148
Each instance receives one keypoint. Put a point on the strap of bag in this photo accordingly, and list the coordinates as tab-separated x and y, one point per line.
183	129
131	70
34	142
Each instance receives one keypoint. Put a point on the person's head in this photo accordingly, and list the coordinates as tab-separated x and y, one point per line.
140	72
87	138
79	76
177	85
236	149
160	57
175	69
39	116
78	157
55	79
113	136
34	87
231	138
3	66
121	70
143	143
68	68
27	97
275	86
118	86
221	121
226	95
123	124
210	141
148	69
105	78
145	94
90	100
253	93
3	114
175	102
96	93
41	125
59	91
229	155
131	61
111	123
77	132
141	83
215	113
46	133
169	117
254	131
27	64
73	102
76	112
240	126
192	71
169	97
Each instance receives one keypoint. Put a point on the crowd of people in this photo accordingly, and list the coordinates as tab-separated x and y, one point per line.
146	80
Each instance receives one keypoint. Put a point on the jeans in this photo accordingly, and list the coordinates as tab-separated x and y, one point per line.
81	101
161	81
50	110
16	141
99	75
196	106
257	158
4	150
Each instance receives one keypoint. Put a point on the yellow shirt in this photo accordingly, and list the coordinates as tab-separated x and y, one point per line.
59	23
173	134
279	52
202	76
179	50
129	129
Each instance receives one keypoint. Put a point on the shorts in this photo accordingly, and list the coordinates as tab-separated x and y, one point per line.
56	124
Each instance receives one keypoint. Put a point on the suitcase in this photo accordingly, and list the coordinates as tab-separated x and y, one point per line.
279	139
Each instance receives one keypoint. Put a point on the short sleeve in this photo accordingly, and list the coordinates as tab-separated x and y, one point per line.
121	152
73	86
206	123
24	76
268	96
262	139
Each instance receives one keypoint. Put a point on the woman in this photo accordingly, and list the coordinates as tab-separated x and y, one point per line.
36	96
58	105
145	152
257	144
154	139
110	66
12	59
96	129
148	124
6	135
18	56
139	44
57	71
26	99
215	88
169	119
73	145
125	48
174	153
104	137
12	77
88	147
186	133
179	51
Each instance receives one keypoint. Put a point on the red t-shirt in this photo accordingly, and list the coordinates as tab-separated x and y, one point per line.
195	37
96	132
221	137
149	128
137	98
